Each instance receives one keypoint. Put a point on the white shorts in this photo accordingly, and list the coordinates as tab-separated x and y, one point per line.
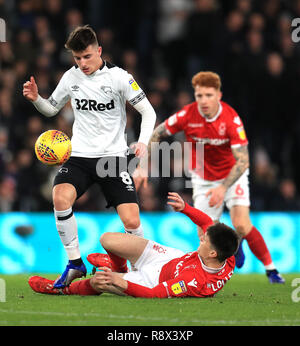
148	266
237	194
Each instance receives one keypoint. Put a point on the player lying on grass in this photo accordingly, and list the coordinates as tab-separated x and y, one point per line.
160	271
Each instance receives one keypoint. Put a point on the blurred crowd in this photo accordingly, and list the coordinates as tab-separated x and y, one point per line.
162	43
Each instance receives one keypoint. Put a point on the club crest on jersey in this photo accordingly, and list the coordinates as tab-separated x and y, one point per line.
106	89
179	287
222	129
134	84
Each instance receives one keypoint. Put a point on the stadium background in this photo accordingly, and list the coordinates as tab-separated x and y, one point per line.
162	43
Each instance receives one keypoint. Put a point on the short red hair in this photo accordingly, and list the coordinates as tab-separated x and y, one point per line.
207	79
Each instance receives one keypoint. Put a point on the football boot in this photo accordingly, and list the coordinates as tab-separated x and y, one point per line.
274	277
240	256
43	285
71	273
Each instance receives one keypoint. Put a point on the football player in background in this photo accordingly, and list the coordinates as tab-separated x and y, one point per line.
160	271
98	91
220	175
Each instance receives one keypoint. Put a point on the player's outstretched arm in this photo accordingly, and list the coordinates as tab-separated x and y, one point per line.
45	107
197	216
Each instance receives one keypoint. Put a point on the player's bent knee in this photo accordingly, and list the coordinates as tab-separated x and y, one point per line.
131	223
242	228
107	239
103	239
64	195
61	202
129	215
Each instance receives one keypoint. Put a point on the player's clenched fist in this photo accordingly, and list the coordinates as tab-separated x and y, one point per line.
30	89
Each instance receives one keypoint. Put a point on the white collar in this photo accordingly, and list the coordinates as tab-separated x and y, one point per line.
215	117
209	269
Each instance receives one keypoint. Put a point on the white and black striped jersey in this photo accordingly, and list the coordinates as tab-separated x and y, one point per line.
99	104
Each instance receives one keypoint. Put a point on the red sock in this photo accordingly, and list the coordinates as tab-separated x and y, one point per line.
258	246
82	288
119	264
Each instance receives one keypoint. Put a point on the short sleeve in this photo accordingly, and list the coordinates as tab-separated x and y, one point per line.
176	122
236	132
185	285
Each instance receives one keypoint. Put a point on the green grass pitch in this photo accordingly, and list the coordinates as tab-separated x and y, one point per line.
246	300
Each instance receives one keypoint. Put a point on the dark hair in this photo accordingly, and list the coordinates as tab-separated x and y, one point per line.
80	38
224	240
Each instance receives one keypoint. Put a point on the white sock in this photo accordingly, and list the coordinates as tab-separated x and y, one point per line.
137	231
270	266
67	230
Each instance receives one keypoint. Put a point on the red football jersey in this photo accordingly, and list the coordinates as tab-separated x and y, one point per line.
218	135
187	275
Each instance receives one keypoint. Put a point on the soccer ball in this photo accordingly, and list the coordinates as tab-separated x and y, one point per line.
53	147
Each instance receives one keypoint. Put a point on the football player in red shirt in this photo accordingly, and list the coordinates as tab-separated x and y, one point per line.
160	271
220	175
